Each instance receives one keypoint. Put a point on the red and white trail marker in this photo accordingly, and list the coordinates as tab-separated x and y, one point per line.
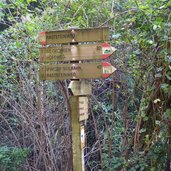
108	69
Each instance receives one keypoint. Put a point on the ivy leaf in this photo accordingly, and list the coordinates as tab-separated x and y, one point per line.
159	69
168	59
168	76
168	113
142	130
154	27
28	1
164	86
150	42
116	36
2	68
2	5
18	44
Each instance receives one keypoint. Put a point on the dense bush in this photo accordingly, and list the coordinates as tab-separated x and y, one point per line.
129	123
12	158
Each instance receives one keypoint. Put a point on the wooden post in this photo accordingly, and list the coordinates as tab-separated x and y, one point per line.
79	113
75	125
76	134
74	70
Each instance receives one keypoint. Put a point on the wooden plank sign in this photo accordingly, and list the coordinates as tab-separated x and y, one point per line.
75	52
74	35
83	108
76	71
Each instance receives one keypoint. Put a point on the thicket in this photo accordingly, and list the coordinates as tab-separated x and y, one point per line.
129	125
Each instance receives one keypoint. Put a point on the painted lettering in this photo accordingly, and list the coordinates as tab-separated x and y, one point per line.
58	75
68	68
48	51
55	56
53	69
60	36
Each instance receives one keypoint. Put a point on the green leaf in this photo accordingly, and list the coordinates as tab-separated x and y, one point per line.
2	5
154	27
2	68
18	44
168	113
142	130
168	59
116	36
159	69
164	86
28	1
150	42
168	75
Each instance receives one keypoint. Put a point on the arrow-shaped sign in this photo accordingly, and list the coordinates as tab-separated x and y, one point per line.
74	35
75	52
76	71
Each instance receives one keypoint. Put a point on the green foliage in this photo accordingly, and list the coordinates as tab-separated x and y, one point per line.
145	27
12	158
141	92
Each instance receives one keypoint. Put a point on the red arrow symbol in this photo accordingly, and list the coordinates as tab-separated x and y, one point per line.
42	38
107	50
108	69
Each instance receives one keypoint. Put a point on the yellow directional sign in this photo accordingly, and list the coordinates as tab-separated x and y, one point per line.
76	71
75	52
74	35
72	50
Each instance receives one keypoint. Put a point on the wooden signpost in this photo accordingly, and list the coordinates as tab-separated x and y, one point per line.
76	71
74	35
80	89
75	52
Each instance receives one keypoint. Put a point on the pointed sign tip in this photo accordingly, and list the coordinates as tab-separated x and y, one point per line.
107	50
108	69
113	69
113	49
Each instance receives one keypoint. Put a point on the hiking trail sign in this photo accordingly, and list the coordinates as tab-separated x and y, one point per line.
74	35
75	52
76	71
72	47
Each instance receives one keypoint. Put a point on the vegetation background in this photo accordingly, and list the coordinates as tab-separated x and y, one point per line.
129	125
